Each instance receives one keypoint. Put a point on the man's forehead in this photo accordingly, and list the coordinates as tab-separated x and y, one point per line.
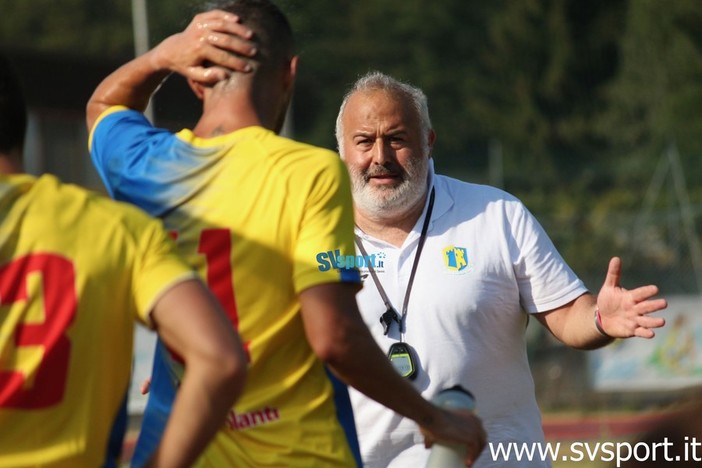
374	99
373	107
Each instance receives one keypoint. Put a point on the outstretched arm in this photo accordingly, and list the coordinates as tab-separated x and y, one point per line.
340	338
191	323
213	45
622	313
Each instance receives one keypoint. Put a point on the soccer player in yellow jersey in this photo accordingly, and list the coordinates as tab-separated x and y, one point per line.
76	271
265	220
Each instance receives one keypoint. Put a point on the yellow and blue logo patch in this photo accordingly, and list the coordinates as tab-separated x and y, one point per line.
456	258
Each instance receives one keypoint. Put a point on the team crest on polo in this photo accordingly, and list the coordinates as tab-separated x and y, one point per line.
456	258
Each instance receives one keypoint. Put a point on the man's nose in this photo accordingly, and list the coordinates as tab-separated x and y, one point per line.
382	153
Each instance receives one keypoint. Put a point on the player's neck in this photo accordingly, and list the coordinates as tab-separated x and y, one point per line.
232	111
219	119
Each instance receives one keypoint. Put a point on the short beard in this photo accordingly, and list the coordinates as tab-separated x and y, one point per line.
381	202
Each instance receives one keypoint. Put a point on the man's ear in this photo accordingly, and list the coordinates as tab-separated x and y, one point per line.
291	72
431	138
197	88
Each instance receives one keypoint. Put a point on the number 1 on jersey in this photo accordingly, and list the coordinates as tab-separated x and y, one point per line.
216	246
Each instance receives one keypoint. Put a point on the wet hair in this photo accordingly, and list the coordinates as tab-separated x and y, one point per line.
377	81
13	112
272	32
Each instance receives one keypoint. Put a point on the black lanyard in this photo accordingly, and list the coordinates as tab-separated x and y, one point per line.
390	314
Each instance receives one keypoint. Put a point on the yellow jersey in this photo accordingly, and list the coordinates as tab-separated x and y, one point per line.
76	271
252	212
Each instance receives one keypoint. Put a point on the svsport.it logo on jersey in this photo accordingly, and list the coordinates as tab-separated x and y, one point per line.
456	258
334	259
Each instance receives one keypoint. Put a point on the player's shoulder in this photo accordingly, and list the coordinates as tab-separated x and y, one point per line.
49	192
305	152
266	142
298	159
77	205
121	114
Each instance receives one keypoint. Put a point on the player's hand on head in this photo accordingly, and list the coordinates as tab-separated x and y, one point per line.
214	45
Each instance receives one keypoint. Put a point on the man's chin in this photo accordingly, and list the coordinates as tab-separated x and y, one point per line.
380	204
382	195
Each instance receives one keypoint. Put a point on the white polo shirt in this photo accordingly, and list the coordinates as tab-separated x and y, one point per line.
485	261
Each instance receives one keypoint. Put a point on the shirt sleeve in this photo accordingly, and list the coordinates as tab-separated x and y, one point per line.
111	143
326	230
157	267
123	145
545	280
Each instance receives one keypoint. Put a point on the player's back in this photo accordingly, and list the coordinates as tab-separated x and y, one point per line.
260	208
251	211
66	316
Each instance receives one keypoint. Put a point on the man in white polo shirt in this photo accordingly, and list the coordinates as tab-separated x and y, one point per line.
461	264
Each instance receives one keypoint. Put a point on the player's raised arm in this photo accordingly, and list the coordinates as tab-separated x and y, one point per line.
214	43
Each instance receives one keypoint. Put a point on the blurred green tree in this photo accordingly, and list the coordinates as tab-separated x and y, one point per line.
77	27
580	98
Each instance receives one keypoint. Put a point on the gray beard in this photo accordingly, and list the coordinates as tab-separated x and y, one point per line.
382	202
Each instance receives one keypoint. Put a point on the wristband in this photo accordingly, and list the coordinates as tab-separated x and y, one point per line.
598	323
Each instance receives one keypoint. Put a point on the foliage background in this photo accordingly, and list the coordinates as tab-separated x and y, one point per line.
570	105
